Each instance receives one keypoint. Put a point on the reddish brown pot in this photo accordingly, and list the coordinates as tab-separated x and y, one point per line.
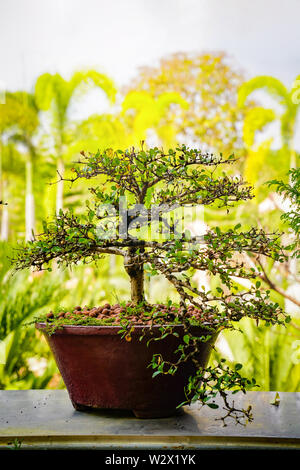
102	370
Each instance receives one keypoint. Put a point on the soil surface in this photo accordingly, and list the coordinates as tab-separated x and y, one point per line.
147	314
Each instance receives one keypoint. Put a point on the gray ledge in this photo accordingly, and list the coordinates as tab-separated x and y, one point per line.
45	419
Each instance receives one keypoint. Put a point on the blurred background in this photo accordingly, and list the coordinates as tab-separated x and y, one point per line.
219	76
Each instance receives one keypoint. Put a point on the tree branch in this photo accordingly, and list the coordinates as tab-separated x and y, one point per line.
264	277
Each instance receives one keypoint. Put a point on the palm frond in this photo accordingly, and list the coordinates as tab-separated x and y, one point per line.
264	82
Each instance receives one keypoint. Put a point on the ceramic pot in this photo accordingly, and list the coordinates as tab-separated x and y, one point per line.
102	370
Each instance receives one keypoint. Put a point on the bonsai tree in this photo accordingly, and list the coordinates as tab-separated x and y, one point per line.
131	214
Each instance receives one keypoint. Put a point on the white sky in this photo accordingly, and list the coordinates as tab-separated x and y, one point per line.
118	36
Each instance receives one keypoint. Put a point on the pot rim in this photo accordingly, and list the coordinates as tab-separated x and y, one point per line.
110	329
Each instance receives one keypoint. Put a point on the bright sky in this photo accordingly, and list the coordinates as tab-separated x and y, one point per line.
118	36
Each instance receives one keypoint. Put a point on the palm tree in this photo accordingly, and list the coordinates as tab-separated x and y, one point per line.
4	212
288	118
5	122
55	93
3	196
143	112
19	122
258	153
98	132
30	157
257	118
12	174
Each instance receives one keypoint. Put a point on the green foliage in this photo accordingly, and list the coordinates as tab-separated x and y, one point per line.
25	359
187	98
270	84
185	177
219	379
98	133
19	113
22	296
260	157
55	90
268	354
271	354
291	192
143	112
256	119
55	94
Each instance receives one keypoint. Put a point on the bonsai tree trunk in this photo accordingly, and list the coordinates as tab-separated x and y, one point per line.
135	271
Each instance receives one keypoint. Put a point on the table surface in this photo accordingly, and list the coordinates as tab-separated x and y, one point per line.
45	419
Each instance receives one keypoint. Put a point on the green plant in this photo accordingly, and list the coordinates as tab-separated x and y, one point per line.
54	93
15	444
18	124
291	192
130	215
257	118
22	296
143	112
271	354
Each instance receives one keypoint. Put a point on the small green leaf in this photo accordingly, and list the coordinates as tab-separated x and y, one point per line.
214	406
156	373
186	339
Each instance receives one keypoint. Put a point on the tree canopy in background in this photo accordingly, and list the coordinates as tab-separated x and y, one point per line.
209	83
